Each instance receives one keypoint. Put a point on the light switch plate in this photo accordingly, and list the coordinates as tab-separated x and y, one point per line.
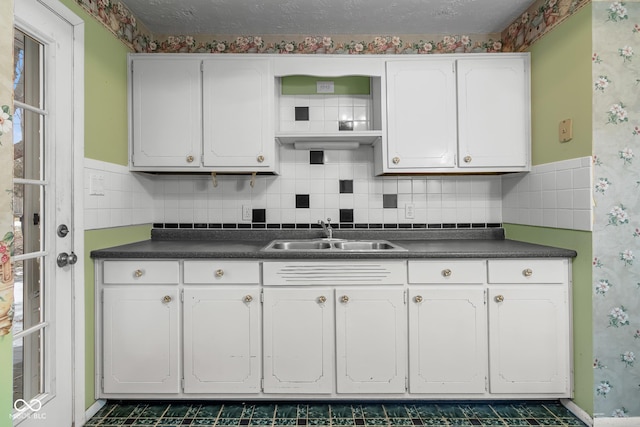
565	130
96	185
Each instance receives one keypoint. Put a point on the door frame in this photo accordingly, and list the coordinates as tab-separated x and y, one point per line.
77	206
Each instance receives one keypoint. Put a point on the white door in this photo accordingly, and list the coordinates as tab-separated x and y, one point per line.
141	339
421	124
222	340
166	112
298	355
371	340
447	339
45	134
493	118
529	339
238	99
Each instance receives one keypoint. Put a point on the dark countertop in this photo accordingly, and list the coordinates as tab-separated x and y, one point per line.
425	244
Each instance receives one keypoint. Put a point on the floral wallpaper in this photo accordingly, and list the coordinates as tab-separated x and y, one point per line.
616	233
536	21
6	171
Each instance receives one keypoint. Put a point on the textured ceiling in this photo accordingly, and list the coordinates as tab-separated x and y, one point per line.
326	17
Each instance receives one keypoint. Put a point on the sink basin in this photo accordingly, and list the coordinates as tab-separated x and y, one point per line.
337	245
365	245
299	245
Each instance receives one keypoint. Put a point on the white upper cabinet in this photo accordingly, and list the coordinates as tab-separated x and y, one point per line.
238	101
493	113
421	114
462	114
165	127
201	113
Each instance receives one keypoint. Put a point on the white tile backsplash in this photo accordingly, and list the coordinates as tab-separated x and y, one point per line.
556	195
541	197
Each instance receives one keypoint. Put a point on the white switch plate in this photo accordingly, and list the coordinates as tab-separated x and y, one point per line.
96	185
246	212
409	211
324	87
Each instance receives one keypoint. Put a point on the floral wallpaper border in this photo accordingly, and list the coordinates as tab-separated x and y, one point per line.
616	231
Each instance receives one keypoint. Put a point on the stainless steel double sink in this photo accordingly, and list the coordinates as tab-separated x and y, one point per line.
332	245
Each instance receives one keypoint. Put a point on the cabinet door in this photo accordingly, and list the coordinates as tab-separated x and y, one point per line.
166	112
447	340
298	340
222	340
141	342
421	114
529	339
238	101
493	113
371	340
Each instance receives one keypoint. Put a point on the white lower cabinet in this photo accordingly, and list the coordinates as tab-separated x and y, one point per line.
447	339
529	333
474	328
298	340
221	339
141	345
371	342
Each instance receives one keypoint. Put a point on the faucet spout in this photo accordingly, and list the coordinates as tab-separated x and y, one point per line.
326	227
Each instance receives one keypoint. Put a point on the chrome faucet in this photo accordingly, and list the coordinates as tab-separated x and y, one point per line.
327	227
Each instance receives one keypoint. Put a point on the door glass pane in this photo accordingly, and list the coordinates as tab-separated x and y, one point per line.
28	210
27	366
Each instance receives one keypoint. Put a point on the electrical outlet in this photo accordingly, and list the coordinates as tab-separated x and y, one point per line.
409	211
246	212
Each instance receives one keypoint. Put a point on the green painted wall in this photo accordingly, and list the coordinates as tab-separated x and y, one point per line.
306	85
98	239
561	89
105	91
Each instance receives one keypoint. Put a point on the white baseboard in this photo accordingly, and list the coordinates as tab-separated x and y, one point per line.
616	422
93	409
580	413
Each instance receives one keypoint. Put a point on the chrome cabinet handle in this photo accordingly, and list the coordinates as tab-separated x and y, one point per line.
219	272
138	273
166	299
395	160
344	299
467	159
527	272
446	272
418	299
260	158
322	299
248	298
499	298
190	159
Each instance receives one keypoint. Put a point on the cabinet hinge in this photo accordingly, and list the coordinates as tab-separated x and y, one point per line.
182	384
102	296
182	295
261	297
404	297
102	384
485	297
453	67
201	66
486	383
406	383
262	384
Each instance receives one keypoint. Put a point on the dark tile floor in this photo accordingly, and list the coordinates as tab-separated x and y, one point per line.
445	414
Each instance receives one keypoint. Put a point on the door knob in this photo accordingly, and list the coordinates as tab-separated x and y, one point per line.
65	259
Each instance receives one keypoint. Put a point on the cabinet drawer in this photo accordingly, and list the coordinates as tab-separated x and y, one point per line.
447	271
156	272
528	271
221	272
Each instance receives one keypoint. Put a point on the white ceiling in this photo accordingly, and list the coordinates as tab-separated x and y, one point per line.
326	17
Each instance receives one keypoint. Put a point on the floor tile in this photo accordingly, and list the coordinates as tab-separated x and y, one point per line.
348	414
